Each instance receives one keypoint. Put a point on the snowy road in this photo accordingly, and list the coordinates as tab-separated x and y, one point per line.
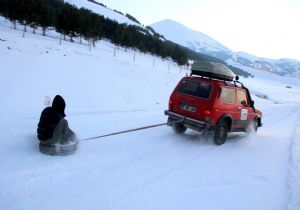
158	169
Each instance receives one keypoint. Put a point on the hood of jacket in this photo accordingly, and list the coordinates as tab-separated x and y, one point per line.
59	105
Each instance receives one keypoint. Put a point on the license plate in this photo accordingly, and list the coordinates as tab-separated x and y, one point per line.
187	107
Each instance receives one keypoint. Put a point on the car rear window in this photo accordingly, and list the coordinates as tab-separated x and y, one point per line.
195	88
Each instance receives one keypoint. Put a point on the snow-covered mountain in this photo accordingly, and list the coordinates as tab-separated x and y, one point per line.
103	10
196	41
192	39
202	43
283	66
113	14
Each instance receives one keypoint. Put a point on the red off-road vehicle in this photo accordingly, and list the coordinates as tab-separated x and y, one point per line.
213	101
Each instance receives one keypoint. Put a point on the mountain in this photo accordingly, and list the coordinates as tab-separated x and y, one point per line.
283	66
112	14
202	43
192	39
103	10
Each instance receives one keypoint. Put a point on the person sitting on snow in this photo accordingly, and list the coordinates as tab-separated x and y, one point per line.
53	130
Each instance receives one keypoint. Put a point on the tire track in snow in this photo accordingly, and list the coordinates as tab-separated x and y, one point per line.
156	178
294	173
279	118
287	119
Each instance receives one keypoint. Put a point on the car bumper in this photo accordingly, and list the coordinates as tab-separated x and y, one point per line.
186	121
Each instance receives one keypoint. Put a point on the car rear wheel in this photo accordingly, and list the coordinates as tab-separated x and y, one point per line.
179	128
220	133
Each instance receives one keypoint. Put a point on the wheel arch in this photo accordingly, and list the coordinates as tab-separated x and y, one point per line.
226	118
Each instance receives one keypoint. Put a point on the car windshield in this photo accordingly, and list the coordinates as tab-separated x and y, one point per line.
195	88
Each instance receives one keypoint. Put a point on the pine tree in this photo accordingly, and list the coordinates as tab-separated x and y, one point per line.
69	20
44	15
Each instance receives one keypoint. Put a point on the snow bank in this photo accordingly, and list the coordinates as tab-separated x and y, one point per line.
294	181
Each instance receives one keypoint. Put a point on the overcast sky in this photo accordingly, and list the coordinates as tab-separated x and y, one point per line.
265	28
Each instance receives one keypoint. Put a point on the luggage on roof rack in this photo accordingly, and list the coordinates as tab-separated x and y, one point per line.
212	70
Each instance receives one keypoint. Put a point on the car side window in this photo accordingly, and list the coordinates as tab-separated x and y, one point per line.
228	96
242	97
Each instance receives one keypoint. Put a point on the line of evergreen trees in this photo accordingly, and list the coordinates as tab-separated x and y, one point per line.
83	23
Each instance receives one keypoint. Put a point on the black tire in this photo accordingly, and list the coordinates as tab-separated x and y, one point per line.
220	133
255	125
179	128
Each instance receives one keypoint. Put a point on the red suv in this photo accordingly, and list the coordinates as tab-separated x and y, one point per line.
211	101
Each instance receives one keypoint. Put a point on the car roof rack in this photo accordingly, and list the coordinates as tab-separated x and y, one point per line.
212	70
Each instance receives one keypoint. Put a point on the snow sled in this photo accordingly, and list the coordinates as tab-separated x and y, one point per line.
212	70
59	149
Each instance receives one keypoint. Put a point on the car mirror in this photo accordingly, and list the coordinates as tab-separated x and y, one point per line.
244	103
252	103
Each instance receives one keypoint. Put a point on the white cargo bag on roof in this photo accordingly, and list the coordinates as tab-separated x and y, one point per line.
212	70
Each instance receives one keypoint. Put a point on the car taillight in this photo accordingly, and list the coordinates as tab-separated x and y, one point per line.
206	112
170	104
206	115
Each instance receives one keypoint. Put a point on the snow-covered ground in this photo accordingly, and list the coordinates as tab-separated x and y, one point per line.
104	11
149	169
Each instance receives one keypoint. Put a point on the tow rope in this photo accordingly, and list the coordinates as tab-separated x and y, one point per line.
125	131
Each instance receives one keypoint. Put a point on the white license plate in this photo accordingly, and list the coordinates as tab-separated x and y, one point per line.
187	107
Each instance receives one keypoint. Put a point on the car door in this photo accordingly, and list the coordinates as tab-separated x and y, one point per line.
246	111
229	105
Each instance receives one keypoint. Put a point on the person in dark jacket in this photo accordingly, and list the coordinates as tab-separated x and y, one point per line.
53	130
